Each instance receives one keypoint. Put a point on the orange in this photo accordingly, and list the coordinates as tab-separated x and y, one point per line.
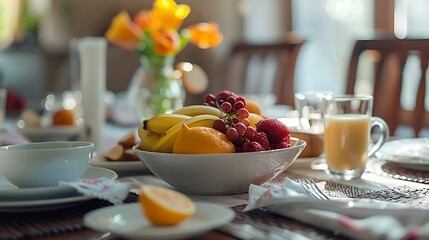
63	117
201	140
253	107
254	119
165	207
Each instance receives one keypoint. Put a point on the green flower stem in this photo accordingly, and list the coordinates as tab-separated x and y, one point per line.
158	70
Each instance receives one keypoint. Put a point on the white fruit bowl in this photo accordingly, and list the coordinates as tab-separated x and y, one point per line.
213	174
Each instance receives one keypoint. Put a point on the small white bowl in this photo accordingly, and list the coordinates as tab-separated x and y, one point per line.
212	174
44	164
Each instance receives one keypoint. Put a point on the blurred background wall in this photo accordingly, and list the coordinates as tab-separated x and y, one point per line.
38	61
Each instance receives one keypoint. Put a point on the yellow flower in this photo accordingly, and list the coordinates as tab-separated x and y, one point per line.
123	31
155	33
170	15
205	35
165	42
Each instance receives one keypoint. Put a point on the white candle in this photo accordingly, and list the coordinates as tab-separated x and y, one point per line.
92	54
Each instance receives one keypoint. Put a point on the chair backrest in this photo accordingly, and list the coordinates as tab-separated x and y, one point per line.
390	58
264	69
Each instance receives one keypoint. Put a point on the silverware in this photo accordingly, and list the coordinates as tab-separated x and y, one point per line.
103	236
311	187
256	231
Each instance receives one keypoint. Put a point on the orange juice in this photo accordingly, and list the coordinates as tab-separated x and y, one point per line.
346	141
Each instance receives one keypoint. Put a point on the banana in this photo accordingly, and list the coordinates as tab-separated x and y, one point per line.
162	122
147	138
168	138
195	110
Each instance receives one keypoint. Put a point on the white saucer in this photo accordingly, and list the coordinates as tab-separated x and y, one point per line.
34	199
411	153
128	221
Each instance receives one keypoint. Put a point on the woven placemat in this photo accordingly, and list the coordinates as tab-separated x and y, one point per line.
262	216
415	197
397	171
24	225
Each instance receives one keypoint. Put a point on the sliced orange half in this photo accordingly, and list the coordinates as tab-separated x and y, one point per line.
165	207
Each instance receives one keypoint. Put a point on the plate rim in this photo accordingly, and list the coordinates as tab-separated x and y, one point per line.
31	204
403	159
90	220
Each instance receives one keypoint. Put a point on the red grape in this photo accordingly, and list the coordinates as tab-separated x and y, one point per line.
245	121
232	134
243	113
226	107
241	99
230	99
241	128
222	95
219	125
209	98
240	141
235	120
250	132
238	105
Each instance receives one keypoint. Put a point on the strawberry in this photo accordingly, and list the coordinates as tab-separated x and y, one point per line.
252	147
286	139
262	139
275	130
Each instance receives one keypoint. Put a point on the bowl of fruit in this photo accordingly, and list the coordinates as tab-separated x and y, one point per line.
216	148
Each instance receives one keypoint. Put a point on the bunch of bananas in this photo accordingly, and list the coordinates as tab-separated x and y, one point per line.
159	133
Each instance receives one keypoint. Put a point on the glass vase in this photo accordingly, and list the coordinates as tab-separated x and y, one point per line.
156	88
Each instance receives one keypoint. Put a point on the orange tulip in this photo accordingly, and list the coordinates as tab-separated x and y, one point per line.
146	21
123	32
205	35
165	42
169	14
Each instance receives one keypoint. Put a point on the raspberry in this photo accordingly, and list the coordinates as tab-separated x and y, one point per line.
262	139
275	130
252	147
281	145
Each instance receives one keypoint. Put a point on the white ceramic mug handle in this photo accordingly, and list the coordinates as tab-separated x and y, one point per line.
384	134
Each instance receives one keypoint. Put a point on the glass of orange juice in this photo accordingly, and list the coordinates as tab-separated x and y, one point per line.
348	125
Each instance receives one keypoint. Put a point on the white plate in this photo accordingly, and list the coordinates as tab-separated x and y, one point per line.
50	133
119	166
411	153
31	199
129	222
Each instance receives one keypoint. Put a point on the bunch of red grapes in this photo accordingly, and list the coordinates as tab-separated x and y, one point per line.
234	123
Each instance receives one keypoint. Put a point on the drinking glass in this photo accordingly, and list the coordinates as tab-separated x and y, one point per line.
310	110
347	134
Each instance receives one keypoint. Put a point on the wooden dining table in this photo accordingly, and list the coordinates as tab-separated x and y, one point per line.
380	175
302	169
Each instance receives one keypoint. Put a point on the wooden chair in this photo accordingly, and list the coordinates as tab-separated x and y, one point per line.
390	58
264	68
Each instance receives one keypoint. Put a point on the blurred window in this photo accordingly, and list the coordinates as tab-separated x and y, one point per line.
329	28
411	20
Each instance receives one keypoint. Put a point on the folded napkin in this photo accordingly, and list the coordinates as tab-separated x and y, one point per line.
103	188
354	218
